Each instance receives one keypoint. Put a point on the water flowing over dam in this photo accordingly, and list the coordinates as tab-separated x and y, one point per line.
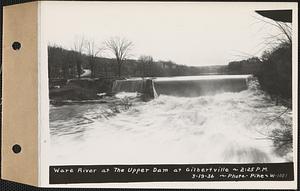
194	120
130	85
186	86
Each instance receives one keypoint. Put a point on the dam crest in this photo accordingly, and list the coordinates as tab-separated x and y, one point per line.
183	86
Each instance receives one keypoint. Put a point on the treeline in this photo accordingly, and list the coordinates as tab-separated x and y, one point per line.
62	65
248	66
273	70
70	64
275	75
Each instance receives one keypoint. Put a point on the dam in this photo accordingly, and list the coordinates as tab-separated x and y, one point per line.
184	86
194	120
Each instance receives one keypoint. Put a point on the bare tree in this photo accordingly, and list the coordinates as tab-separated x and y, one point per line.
146	61
120	48
284	35
92	52
78	48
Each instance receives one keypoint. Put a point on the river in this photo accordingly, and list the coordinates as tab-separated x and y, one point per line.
224	127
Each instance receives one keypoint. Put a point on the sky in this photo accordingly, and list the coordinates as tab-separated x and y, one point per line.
195	34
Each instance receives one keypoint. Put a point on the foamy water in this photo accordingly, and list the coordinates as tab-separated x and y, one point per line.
223	128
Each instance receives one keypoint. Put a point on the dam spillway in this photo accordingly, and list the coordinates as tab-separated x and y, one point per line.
128	85
193	86
186	86
227	127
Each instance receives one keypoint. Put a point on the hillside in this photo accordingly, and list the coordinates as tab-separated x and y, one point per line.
62	64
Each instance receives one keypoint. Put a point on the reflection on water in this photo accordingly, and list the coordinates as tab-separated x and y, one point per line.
226	127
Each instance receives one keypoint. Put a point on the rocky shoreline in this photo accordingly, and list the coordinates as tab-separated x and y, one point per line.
80	89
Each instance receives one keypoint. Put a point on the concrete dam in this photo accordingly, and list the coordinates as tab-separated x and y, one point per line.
183	86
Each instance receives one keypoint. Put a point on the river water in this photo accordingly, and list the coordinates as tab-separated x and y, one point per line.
226	127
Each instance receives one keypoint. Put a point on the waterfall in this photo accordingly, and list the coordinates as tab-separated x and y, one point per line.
194	86
129	85
185	86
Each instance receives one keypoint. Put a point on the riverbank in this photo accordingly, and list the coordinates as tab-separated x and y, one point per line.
86	90
275	76
83	89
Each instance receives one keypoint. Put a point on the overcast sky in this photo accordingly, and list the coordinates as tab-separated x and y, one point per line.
187	33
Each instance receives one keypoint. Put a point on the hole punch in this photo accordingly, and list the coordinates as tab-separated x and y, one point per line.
16	148
16	45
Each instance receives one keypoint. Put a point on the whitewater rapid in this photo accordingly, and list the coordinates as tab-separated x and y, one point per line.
228	127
